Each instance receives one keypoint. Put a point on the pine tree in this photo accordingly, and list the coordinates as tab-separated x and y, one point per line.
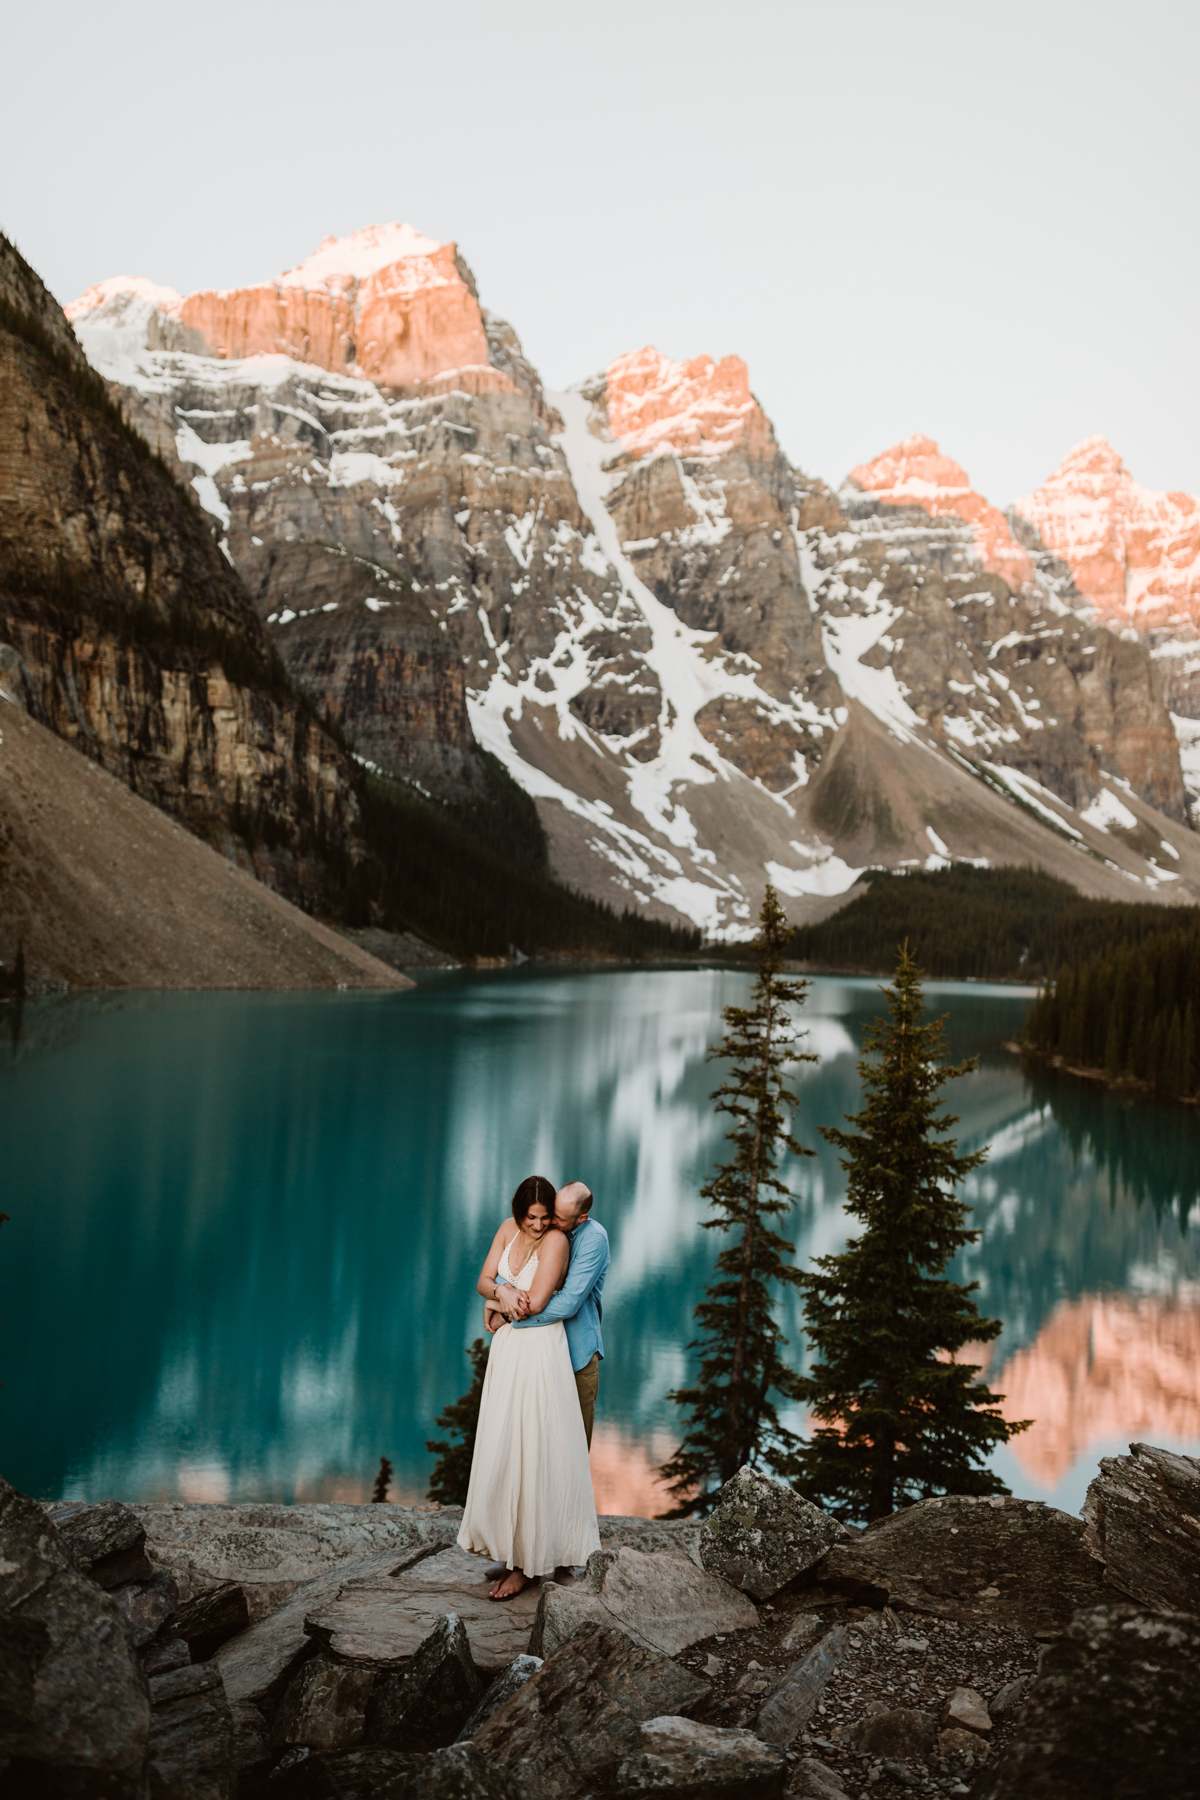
733	1417
452	1471
898	1418
383	1481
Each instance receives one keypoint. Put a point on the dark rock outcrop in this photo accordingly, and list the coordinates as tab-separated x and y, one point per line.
1115	1710
425	1705
578	1717
1002	1561
71	1694
1143	1522
138	642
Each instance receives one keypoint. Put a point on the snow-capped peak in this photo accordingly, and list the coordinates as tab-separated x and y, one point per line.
340	262
915	473
702	407
124	293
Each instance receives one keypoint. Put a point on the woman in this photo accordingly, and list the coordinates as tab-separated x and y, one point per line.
529	1501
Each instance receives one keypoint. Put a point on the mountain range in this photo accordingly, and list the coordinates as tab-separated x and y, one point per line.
704	665
320	567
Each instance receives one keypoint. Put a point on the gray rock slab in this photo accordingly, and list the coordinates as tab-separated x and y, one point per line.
1115	1710
761	1534
256	1664
191	1749
793	1701
680	1537
662	1600
703	1762
73	1696
501	1691
572	1723
384	1620
273	1550
1142	1515
1001	1561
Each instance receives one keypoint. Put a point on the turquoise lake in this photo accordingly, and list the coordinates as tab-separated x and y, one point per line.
245	1229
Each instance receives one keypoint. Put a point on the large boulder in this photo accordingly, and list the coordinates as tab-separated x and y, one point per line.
794	1699
701	1762
761	1534
1142	1514
664	1602
999	1561
1115	1710
424	1705
572	1724
71	1694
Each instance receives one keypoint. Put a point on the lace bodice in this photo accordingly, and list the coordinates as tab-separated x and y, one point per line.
525	1274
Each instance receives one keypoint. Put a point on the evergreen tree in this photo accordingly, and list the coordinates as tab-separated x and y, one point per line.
899	1418
452	1470
383	1482
733	1417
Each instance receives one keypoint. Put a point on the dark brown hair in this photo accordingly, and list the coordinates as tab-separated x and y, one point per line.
535	1190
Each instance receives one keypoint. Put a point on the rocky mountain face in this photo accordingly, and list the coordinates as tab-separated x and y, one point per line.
1134	556
135	639
704	667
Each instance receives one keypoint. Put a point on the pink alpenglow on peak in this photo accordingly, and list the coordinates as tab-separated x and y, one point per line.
659	407
915	473
1134	553
386	302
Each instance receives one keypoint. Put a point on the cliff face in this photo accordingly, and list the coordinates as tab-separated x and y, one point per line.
1134	554
991	652
137	642
704	667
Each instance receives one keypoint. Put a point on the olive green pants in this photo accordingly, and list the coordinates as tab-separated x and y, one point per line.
587	1382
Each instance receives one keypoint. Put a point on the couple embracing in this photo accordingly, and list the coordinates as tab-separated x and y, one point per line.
529	1502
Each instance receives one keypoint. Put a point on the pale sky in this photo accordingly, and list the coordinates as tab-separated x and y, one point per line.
974	221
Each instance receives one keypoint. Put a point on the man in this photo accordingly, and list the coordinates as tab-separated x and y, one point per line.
578	1302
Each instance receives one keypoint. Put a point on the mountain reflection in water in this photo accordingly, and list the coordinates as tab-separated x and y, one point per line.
246	1228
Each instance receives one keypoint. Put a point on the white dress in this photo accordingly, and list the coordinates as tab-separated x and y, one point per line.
529	1501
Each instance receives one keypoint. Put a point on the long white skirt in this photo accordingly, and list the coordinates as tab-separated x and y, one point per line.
529	1502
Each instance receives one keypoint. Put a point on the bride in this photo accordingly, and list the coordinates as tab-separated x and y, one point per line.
529	1501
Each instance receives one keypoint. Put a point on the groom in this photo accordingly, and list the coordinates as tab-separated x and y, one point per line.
578	1302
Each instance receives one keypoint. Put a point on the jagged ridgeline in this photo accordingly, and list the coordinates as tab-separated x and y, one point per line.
140	647
998	924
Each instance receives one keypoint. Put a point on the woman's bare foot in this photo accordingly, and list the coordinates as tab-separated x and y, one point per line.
512	1584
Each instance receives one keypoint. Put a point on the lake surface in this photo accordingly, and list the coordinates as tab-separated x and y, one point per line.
245	1229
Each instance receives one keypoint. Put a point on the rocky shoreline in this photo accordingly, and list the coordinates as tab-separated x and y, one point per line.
994	1648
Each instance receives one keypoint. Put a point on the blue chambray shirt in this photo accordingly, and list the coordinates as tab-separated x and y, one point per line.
579	1301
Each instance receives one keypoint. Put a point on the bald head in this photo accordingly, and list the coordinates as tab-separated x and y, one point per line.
572	1204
